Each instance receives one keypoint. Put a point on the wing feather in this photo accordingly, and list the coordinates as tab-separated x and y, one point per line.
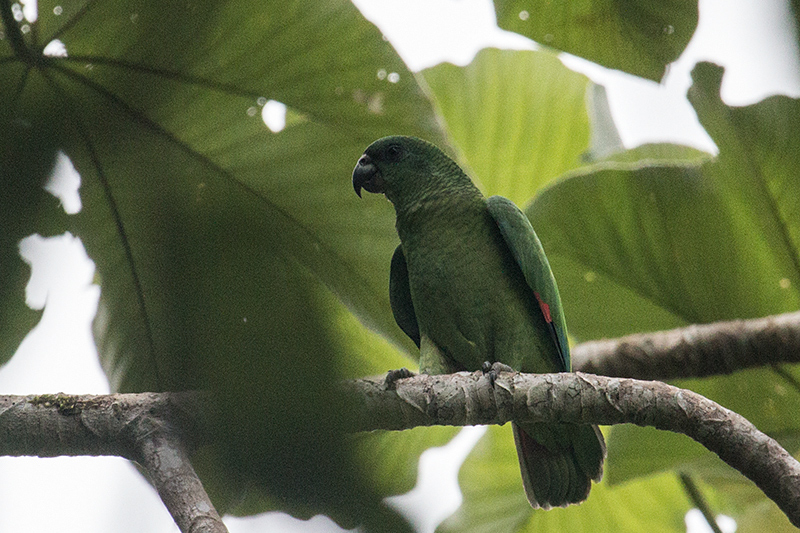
529	255
400	296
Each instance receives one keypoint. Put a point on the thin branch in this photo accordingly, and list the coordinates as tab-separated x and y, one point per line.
167	462
694	351
468	399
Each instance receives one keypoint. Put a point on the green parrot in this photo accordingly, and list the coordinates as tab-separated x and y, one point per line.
470	284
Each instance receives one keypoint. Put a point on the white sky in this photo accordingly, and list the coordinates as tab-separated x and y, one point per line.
750	37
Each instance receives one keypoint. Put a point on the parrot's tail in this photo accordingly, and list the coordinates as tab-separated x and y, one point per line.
559	462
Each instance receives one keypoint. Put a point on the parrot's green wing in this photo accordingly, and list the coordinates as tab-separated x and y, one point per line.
558	461
529	254
400	296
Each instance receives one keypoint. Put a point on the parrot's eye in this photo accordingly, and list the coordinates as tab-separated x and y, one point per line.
393	153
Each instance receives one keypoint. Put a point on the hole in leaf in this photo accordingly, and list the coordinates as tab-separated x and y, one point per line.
274	115
64	183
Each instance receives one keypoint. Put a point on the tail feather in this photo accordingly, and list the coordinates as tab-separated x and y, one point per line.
589	457
539	483
558	489
577	490
558	462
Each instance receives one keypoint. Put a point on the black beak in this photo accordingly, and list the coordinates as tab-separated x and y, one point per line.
367	175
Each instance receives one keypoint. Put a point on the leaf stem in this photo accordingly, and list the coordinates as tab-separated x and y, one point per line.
698	500
790	379
14	33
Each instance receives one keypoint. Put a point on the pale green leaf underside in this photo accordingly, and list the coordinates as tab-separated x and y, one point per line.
517	118
637	36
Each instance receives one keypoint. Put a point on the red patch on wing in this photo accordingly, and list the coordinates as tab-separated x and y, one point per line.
544	307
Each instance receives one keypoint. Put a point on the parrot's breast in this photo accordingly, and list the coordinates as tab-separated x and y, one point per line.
470	296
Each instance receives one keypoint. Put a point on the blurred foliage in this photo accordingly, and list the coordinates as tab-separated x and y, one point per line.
238	259
26	208
493	503
225	252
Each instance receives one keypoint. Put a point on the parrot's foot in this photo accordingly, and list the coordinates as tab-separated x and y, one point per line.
394	375
490	370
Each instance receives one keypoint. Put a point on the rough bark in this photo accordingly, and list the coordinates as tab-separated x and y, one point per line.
694	351
469	399
155	430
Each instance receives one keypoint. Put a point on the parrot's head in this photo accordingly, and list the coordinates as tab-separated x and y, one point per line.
405	168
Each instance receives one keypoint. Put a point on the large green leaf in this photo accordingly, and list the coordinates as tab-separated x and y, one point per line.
693	242
740	498
763	516
758	169
220	245
155	107
635	452
664	450
647	246
517	118
724	489
642	249
494	499
636	36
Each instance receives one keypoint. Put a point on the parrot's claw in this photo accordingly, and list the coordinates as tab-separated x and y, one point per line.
394	375
490	370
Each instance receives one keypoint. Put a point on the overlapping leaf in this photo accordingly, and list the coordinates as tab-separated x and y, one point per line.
162	106
518	118
697	242
639	37
653	247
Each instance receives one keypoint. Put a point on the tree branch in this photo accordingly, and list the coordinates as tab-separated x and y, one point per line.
694	351
159	430
155	430
469	399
